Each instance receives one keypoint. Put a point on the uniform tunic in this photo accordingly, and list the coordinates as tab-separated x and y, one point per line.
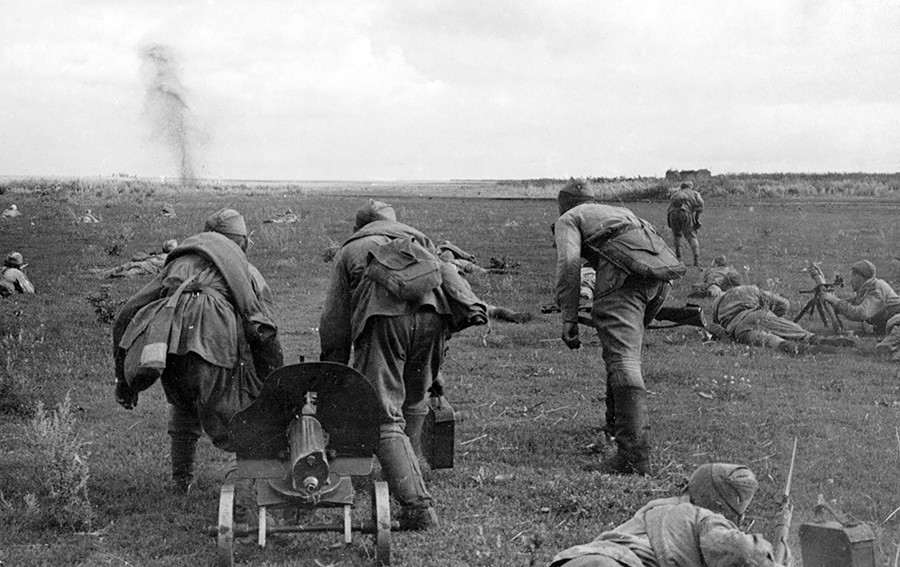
875	303
15	279
684	206
753	316
672	532
213	369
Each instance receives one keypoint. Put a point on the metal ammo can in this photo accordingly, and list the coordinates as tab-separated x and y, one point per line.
836	543
439	433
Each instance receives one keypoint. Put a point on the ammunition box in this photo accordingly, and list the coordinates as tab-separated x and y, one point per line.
832	544
439	433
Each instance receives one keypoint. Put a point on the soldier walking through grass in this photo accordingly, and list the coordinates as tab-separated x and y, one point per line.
220	341
683	217
697	528
624	302
396	342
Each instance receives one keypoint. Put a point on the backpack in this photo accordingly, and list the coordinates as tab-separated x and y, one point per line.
405	268
641	251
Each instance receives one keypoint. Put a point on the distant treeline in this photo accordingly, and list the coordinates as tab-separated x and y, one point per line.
744	185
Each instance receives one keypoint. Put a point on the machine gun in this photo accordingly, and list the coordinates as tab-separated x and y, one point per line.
816	304
783	525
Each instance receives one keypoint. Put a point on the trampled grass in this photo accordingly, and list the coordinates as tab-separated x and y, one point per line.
526	405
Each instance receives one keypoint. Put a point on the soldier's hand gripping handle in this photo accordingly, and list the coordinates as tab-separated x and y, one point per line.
570	335
125	397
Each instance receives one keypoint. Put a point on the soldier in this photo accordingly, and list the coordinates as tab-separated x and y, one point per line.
624	303
397	343
875	301
753	316
141	264
12	276
716	280
697	528
683	217
223	341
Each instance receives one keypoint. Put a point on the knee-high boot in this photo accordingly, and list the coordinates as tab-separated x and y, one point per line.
183	451
632	430
404	478
610	427
413	430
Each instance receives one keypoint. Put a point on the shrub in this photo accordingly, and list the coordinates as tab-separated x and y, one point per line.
65	502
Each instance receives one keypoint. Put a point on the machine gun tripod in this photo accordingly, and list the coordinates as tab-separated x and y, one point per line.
816	304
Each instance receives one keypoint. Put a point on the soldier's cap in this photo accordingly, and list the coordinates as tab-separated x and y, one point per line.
14	260
226	221
864	268
721	487
169	245
575	192
687	184
720	261
374	211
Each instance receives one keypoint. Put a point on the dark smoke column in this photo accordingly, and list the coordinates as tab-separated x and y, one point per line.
165	106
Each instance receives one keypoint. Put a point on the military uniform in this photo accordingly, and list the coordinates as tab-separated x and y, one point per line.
691	529
875	301
222	344
622	303
397	345
683	217
12	276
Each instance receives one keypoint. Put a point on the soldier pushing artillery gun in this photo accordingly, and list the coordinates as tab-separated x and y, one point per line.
817	304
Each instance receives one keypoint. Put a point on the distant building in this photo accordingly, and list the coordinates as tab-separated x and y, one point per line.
674	175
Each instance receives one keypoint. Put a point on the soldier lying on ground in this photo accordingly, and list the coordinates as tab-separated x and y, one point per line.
752	316
697	528
874	303
714	281
142	264
466	264
890	345
11	212
12	276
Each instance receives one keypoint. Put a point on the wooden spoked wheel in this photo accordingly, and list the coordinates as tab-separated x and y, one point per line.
226	526
381	518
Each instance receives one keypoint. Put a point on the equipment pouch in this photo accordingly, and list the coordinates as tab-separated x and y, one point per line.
642	252
405	268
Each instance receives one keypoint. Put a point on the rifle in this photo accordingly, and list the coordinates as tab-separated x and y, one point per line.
787	511
690	314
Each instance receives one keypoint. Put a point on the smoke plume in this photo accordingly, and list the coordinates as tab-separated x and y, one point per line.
166	108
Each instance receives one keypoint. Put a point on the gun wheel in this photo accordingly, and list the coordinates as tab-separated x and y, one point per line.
381	518
226	526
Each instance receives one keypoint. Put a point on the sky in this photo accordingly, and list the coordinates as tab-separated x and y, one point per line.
447	89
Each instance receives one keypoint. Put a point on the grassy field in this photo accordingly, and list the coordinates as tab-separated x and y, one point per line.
526	405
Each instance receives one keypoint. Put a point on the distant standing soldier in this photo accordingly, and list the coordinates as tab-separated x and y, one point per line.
222	340
624	302
875	301
683	218
12	276
396	343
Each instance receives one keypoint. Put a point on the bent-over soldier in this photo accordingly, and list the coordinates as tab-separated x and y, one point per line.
222	344
623	304
396	343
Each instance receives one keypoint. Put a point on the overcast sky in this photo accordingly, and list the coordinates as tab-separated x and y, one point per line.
441	89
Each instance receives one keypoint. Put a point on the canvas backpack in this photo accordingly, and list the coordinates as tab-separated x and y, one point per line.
641	251
405	268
